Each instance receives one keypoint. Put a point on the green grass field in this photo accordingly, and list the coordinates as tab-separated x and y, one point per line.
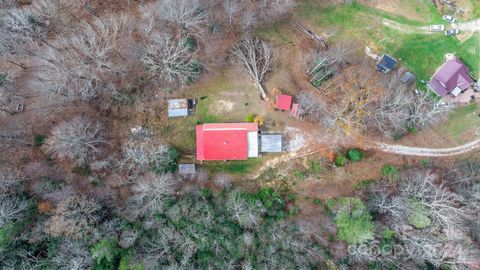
421	53
462	120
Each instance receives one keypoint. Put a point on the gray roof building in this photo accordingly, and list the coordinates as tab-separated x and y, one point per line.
270	143
407	77
177	107
186	169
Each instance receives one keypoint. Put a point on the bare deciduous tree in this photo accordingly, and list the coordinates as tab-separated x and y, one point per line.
399	110
82	62
321	65
72	255
79	139
23	25
314	109
75	216
168	57
188	14
150	193
142	155
258	58
231	7
247	214
12	208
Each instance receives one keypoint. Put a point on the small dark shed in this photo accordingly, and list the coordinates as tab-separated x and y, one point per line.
386	63
407	77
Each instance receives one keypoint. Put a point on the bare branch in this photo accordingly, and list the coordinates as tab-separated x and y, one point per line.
78	139
258	58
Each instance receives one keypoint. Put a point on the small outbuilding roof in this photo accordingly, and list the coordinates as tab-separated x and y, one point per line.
271	143
386	63
177	107
283	102
186	169
407	77
295	112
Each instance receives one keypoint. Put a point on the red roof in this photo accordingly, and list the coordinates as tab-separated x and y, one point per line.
284	102
223	141
295	110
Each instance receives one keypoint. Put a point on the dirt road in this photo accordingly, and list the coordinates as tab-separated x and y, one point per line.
408	29
389	148
426	152
471	26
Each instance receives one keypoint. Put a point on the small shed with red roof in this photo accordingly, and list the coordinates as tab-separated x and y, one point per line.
283	102
227	141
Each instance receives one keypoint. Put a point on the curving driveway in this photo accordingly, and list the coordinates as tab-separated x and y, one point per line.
426	152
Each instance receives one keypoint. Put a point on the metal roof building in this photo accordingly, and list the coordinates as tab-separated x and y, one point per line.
180	107
386	63
270	143
407	77
235	141
283	102
186	169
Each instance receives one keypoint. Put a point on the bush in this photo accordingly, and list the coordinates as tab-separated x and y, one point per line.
106	254
316	201
259	120
355	154
39	140
300	174
340	160
168	162
354	222
196	68
418	214
316	167
250	118
190	43
390	171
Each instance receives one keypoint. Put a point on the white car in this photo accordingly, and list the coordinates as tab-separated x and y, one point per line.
449	18
452	32
437	28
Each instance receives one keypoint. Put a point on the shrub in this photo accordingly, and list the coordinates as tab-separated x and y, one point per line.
190	43
316	201
300	174
355	154
315	166
390	171
259	120
250	118
39	140
418	214
168	162
106	253
354	222
340	160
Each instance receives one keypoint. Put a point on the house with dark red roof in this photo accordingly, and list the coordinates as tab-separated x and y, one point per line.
452	78
227	141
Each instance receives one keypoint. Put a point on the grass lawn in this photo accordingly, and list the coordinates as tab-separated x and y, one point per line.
234	166
475	9
423	54
462	120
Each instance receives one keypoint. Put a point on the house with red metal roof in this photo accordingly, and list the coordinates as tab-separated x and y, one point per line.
227	141
452	78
